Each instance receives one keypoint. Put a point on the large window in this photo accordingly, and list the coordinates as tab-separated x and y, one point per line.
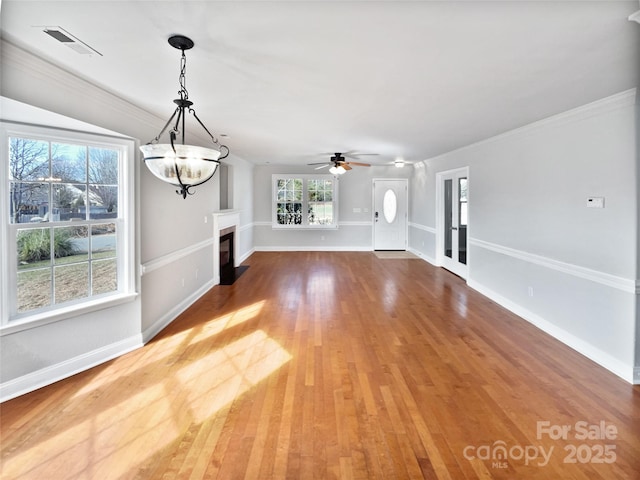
66	221
304	201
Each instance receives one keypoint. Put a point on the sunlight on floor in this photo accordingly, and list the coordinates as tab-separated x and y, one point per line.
220	377
70	452
164	347
156	414
218	324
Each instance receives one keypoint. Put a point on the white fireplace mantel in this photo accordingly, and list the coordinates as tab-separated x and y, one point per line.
221	220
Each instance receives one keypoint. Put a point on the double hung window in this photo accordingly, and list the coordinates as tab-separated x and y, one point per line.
67	220
304	201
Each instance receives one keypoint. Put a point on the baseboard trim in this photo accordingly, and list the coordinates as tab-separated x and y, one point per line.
423	256
615	366
172	314
308	248
245	256
54	373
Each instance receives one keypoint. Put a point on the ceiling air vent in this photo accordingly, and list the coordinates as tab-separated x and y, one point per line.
77	45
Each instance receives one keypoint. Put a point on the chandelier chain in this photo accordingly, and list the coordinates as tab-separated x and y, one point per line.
184	94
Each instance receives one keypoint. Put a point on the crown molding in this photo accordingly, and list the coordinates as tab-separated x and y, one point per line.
627	98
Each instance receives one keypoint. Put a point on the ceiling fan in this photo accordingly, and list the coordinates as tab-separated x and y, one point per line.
339	163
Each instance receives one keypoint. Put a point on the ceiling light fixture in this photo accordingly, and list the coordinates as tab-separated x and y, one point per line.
399	163
337	170
185	166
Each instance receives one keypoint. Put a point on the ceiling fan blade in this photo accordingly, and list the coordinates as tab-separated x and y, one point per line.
322	166
345	165
359	164
358	155
319	163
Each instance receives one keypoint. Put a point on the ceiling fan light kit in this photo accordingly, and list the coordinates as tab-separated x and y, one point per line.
182	165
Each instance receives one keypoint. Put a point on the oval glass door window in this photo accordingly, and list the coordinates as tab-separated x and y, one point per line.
389	205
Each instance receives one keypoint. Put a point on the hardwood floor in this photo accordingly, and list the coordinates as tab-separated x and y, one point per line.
333	365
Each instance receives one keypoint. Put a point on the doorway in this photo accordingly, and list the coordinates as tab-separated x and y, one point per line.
390	214
452	219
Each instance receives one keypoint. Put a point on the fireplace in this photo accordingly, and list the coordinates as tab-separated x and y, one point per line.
227	260
226	247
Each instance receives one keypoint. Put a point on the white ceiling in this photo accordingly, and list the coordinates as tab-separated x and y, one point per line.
290	79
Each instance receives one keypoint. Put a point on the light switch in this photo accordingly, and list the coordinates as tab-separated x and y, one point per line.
595	202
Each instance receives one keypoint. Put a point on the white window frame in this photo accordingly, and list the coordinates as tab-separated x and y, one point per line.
11	322
305	205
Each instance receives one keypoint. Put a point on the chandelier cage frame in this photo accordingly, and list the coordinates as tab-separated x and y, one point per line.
174	163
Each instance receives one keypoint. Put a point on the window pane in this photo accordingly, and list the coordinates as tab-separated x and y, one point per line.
104	202
28	159
71	282
103	166
320	213
71	244
29	202
68	202
69	163
103	240
33	247
289	213
104	277
281	193
34	289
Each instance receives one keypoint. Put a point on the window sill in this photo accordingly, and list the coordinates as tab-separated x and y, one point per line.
37	320
304	227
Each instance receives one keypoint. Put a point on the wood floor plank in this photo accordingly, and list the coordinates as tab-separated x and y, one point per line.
330	365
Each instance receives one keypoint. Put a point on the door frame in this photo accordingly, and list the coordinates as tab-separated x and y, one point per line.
460	270
373	210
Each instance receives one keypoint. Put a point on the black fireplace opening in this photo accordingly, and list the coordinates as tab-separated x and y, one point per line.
227	262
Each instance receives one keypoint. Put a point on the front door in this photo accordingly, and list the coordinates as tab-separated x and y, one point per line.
453	220
390	214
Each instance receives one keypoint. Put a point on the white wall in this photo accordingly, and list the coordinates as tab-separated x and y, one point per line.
174	240
530	229
354	228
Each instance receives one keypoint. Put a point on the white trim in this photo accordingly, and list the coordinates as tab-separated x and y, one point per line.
51	374
424	228
347	223
610	103
246	255
624	371
307	248
172	314
620	283
423	256
245	227
174	256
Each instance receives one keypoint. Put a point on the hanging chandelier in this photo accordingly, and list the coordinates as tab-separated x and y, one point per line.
182	165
